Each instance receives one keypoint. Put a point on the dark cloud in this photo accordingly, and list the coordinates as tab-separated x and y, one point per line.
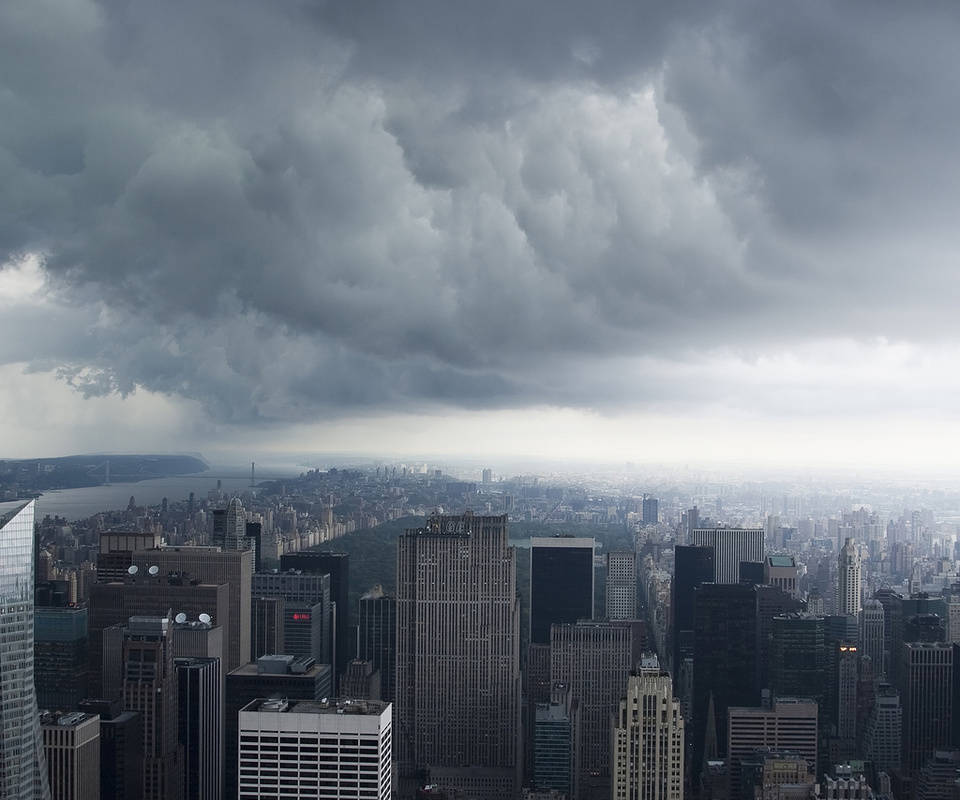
286	210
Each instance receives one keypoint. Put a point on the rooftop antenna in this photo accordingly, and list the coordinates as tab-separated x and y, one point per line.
180	618
204	618
133	569
154	570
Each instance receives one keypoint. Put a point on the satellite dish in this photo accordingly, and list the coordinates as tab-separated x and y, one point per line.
133	569
154	570
181	618
204	618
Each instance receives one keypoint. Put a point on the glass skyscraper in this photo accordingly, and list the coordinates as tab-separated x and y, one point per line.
23	769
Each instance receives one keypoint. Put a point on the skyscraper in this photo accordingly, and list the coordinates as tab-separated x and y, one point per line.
561	583
458	654
651	511
150	687
926	693
594	659
23	768
72	747
692	566
621	595
848	580
648	739
330	750
200	725
871	635
730	547
377	638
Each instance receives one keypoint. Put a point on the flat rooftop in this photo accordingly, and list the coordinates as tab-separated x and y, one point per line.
331	706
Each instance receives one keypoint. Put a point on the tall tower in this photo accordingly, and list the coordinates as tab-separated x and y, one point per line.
23	768
926	692
458	654
871	635
561	583
150	687
377	638
648	738
731	546
848	580
621	597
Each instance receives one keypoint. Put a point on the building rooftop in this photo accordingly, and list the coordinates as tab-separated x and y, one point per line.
330	706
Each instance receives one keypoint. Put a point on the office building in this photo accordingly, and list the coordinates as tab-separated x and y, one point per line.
307	614
458	654
800	663
60	657
327	751
871	635
266	621
848	580
199	725
230	526
337	566
71	743
651	511
23	768
556	730
648	738
692	567
273	676
594	660
150	688
146	595
927	699
726	668
121	750
377	638
781	571
882	742
210	565
621	593
361	681
789	726
561	583
846	673
731	546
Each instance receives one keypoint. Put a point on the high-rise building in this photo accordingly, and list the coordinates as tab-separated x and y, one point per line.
273	676
848	580
692	566
71	743
327	751
871	635
377	638
144	595
789	726
150	688
555	731
781	571
800	664
927	697
846	662
210	565
561	583
594	660
337	566
200	724
121	750
651	511
621	594
361	681
60	657
882	742
648	741
726	664
230	526
458	654
307	612
23	768
731	546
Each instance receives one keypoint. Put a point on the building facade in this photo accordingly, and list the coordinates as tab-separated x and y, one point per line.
458	653
648	738
848	580
23	768
731	547
327	750
621	594
561	582
71	743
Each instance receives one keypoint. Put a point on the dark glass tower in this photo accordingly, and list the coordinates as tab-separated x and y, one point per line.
337	566
377	638
693	565
726	655
23	768
200	724
561	583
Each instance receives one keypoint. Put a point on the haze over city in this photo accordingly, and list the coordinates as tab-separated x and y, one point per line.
656	232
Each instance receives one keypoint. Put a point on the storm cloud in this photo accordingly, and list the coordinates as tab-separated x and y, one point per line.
292	210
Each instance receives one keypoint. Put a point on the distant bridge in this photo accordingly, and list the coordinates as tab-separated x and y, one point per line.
105	473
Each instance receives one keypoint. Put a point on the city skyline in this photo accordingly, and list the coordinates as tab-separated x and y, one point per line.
671	232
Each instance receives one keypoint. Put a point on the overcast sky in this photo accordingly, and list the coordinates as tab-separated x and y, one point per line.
614	230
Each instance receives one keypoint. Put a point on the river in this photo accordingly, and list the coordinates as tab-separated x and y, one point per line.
74	504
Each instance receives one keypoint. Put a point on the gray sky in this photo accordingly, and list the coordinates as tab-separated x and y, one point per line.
690	231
